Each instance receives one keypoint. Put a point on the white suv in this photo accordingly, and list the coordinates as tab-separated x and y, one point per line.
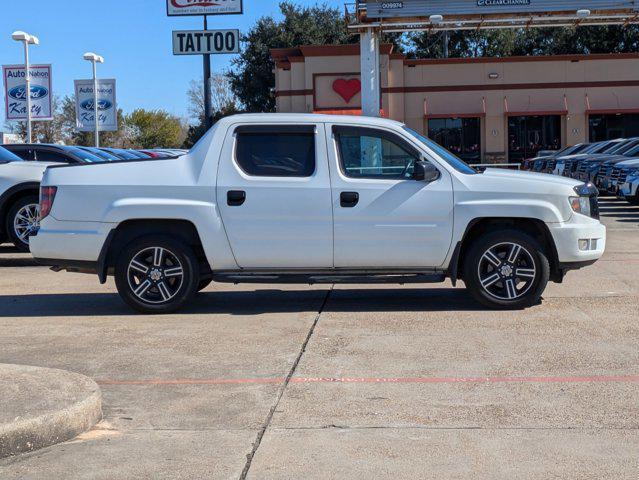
19	188
313	198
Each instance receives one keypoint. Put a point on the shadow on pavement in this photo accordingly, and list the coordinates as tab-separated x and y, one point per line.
248	302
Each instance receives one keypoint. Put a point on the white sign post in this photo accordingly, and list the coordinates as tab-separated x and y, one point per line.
203	7
15	92
203	42
106	106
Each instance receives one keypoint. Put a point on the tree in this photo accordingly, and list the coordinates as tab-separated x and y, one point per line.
252	78
154	128
532	41
223	103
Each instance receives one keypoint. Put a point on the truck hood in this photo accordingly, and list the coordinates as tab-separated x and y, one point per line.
510	175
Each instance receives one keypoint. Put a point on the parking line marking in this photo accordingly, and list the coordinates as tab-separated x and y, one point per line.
266	381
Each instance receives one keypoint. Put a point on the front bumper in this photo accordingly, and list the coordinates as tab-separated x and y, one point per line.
629	187
567	236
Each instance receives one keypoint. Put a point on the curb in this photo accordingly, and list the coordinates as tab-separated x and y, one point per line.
44	406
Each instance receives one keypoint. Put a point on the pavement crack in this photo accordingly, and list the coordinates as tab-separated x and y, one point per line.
280	393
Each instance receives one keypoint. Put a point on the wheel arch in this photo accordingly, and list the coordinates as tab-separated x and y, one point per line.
127	231
11	195
479	226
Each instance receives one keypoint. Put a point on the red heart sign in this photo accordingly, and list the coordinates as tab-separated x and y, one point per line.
347	89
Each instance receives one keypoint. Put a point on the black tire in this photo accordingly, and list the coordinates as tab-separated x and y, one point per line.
10	228
504	289
204	283
633	200
157	291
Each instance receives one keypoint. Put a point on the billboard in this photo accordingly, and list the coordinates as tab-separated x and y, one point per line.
419	8
15	92
203	7
200	42
107	106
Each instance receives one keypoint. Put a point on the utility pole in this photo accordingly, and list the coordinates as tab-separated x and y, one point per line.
208	120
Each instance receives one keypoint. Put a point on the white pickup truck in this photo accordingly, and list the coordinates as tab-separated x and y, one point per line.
312	198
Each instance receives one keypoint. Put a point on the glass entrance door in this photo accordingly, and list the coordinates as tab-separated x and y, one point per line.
527	135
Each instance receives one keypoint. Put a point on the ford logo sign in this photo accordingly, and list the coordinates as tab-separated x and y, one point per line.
103	104
19	92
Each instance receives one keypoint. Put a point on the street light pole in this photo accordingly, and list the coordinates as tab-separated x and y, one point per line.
94	59
27	40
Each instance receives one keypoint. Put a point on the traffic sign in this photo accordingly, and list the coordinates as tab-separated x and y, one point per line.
204	42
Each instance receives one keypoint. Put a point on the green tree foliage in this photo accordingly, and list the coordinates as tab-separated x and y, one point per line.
252	78
154	128
533	41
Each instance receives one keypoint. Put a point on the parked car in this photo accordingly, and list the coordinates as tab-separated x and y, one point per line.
628	182
156	153
570	163
44	152
104	155
19	188
126	154
314	198
589	168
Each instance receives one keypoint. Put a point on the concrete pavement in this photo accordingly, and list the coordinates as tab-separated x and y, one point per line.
357	382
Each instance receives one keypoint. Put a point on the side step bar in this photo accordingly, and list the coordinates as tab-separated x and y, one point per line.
311	279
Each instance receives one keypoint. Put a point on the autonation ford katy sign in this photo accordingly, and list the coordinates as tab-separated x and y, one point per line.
418	8
85	106
203	7
15	92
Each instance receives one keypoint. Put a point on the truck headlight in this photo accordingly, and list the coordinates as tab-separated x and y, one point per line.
580	205
586	202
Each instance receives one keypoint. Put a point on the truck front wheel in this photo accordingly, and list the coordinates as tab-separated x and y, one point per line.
156	274
506	269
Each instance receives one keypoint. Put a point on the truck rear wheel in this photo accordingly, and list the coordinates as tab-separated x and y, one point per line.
506	269
156	274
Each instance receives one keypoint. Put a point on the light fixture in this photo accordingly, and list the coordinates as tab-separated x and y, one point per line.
21	36
583	13
436	19
493	75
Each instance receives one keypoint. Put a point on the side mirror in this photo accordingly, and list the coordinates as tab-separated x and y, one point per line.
425	172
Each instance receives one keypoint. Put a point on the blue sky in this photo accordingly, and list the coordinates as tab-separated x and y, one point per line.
134	37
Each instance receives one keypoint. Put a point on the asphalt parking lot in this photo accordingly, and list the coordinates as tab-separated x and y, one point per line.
346	382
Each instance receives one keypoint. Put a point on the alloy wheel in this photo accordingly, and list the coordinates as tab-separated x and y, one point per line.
26	222
507	271
155	275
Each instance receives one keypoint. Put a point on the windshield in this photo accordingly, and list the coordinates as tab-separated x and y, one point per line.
101	153
7	156
83	154
123	154
452	160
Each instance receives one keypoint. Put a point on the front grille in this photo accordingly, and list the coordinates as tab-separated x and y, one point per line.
623	174
551	165
616	171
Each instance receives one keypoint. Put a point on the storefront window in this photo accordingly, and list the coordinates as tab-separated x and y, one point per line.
527	135
461	136
609	127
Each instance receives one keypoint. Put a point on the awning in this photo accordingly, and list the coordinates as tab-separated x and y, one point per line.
537	103
611	101
457	105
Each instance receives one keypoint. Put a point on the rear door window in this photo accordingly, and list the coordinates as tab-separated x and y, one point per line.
276	150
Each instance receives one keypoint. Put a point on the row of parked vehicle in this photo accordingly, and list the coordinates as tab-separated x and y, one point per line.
21	169
611	165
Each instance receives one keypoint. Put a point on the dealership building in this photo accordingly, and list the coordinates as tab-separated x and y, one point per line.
482	109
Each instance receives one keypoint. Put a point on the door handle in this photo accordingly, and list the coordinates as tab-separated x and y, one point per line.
348	199
235	198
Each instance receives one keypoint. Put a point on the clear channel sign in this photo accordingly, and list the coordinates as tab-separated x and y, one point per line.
203	7
107	106
203	42
15	92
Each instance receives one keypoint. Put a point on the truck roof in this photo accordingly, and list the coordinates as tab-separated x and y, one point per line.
307	118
